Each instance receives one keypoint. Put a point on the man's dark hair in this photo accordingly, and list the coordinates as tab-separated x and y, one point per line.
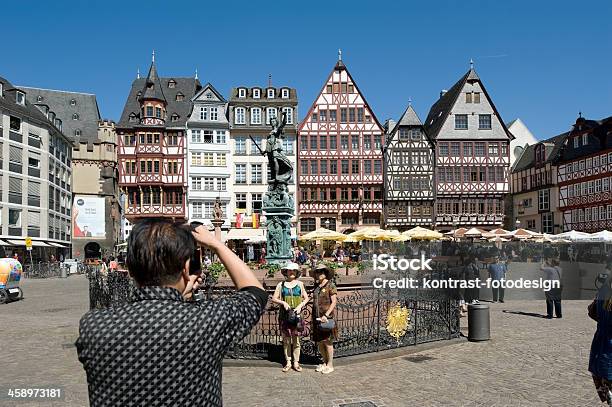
157	251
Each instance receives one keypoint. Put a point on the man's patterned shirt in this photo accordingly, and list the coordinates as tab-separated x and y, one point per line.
160	350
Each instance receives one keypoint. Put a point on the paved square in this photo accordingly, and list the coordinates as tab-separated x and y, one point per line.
530	361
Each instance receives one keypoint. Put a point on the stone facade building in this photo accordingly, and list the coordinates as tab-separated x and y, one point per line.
95	206
209	158
35	177
250	111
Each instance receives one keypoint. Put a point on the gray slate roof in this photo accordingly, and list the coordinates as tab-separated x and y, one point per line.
409	118
187	86
553	150
153	87
65	105
29	111
440	110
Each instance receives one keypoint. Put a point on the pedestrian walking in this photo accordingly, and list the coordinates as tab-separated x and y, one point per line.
497	273
600	358
552	273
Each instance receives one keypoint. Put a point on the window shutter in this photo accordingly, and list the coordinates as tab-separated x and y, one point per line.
34	219
15	154
15	185
34	189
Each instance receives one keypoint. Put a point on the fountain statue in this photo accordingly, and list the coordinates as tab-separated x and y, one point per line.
278	205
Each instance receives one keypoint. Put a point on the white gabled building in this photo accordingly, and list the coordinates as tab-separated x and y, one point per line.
209	160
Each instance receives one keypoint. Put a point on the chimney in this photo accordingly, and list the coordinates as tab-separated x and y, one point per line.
442	93
389	125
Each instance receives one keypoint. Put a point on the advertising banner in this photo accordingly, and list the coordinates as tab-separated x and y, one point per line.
88	217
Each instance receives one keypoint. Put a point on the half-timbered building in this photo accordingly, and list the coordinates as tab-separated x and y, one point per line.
535	192
472	156
151	135
340	175
585	176
408	174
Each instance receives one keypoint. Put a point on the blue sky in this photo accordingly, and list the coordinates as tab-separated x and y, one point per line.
542	61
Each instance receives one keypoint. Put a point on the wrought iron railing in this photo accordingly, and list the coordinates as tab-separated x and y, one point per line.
368	319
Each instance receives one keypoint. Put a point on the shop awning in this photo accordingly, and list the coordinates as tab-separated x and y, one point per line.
245	234
4	243
35	243
54	244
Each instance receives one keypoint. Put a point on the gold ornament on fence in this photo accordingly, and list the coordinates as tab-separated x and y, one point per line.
398	320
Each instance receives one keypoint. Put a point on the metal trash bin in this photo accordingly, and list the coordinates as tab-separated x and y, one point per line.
479	324
63	271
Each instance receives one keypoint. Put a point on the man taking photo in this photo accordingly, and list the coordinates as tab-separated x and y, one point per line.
160	349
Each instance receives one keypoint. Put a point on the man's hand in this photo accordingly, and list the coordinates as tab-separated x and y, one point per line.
205	238
193	284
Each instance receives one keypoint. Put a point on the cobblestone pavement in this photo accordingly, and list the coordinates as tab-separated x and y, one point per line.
530	361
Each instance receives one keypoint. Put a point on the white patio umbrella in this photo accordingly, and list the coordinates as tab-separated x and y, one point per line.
605	236
572	236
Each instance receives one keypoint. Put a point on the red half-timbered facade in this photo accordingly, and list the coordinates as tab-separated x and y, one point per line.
585	176
152	148
472	156
340	172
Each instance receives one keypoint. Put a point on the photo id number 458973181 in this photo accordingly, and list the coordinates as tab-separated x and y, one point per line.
31	393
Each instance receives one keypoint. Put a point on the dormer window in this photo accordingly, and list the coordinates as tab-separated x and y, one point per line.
256	93
58	124
75	116
1	89
174	117
77	132
149	111
138	95
270	93
51	117
285	93
172	83
20	98
39	98
180	97
132	117
72	102
241	93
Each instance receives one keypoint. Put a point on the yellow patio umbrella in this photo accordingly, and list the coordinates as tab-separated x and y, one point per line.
324	234
419	233
401	238
373	233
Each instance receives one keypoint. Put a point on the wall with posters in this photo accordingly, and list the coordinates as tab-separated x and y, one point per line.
88	217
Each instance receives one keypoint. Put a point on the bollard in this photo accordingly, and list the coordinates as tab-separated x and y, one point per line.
479	327
63	272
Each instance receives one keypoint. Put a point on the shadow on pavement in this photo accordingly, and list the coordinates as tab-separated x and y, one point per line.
527	314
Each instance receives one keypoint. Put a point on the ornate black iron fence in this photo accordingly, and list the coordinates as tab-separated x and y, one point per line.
368	319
